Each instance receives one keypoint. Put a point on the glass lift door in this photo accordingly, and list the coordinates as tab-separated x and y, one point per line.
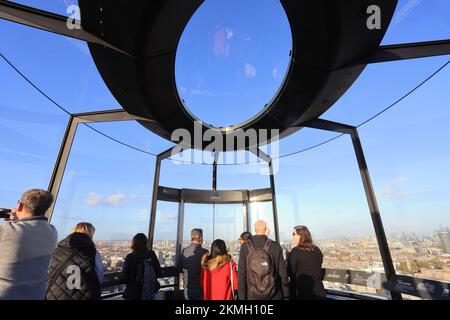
220	214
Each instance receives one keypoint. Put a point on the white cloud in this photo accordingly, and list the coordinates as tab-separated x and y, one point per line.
93	199
385	192
391	191
275	73
196	92
250	71
166	216
115	199
229	33
398	181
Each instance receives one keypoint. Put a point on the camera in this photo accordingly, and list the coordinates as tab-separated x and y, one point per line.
5	213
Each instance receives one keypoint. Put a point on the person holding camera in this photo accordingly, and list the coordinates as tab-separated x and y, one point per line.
27	242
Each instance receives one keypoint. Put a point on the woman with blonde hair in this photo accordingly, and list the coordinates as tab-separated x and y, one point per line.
76	270
305	267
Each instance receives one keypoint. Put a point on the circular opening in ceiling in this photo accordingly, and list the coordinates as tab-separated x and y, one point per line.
232	59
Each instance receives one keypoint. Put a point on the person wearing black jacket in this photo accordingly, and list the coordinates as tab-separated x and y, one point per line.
133	267
279	265
305	267
75	270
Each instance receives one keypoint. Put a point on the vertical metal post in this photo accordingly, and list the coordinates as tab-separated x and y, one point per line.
151	228
61	162
179	238
374	212
247	213
268	159
214	177
274	203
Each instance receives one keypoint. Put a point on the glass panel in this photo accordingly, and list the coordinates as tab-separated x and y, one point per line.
408	156
100	188
229	224
198	216
165	238
31	133
232	59
180	175
62	7
238	177
419	20
379	86
60	66
304	139
135	135
262	211
322	189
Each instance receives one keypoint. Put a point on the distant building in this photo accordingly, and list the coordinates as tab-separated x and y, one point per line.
444	236
161	257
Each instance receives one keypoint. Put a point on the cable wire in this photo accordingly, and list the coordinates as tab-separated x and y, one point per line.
224	164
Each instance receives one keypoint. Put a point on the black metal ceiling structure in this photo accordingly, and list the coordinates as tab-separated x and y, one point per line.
134	47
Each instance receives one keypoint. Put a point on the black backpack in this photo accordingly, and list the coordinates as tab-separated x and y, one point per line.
260	272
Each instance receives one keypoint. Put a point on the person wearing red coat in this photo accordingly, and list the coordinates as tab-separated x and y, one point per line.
218	271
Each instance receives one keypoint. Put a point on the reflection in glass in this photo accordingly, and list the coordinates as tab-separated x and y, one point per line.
31	131
379	86
232	59
262	211
322	189
408	155
198	216
62	67
419	20
98	187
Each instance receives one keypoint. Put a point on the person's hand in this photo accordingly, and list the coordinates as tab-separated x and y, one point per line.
13	215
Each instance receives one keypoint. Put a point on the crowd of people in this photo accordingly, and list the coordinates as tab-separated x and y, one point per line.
33	266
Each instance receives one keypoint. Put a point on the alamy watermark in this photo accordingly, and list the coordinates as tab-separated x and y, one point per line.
226	143
73	21
74	279
373	21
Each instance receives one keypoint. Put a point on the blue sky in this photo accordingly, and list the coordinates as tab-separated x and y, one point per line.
231	60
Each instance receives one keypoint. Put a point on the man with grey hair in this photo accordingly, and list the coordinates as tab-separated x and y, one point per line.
190	265
27	242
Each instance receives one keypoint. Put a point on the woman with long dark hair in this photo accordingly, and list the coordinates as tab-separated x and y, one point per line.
218	276
305	267
141	270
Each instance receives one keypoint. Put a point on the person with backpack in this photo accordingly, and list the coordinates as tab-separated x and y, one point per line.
218	277
76	270
141	271
262	269
305	267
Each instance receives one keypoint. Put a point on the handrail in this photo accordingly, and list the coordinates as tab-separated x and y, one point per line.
422	288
